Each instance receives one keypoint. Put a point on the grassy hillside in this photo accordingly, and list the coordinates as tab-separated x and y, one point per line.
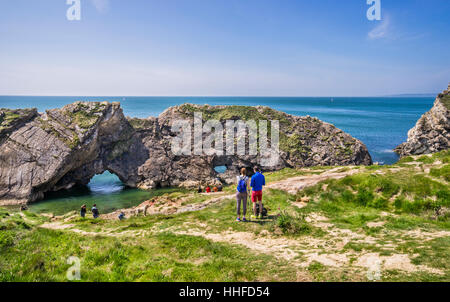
352	224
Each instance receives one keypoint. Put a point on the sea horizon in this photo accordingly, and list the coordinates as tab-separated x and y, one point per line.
401	95
381	123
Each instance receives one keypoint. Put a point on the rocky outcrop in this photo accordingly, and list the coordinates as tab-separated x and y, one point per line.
61	148
432	131
65	147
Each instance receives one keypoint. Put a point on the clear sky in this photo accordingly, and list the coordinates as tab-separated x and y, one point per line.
224	48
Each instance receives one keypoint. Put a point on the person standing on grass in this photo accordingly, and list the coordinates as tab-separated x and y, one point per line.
257	183
95	212
83	211
241	194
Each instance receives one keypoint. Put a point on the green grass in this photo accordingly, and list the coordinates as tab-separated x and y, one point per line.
164	257
294	144
290	224
405	201
9	118
85	116
413	193
443	172
445	99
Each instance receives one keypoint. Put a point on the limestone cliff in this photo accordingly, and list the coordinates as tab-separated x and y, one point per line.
432	132
42	152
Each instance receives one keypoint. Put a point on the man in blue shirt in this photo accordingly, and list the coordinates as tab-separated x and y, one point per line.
257	183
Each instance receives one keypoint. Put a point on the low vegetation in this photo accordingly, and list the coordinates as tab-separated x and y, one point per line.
339	229
446	100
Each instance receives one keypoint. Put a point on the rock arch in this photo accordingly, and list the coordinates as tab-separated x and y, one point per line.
42	152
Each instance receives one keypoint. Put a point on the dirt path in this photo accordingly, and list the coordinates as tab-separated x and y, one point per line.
291	185
176	207
295	184
327	250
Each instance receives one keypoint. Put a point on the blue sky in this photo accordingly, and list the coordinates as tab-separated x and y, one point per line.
224	48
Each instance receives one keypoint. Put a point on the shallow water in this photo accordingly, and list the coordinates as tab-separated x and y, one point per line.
105	190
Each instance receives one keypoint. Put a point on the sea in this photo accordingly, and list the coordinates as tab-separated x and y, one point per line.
381	123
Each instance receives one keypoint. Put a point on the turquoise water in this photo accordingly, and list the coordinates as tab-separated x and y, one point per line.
105	190
381	123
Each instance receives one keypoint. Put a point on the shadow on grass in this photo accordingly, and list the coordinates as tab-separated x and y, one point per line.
265	220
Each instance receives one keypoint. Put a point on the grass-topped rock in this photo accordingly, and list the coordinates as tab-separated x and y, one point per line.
65	147
432	131
11	119
322	224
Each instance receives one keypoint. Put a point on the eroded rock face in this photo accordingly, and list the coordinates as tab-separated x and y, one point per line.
65	147
432	131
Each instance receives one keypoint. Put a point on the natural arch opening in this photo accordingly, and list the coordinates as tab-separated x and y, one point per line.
221	169
105	183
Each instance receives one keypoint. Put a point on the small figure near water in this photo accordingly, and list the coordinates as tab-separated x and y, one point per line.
83	211
23	208
121	216
95	212
242	194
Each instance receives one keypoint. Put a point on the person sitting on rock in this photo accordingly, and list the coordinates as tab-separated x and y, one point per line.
208	189
215	189
95	212
83	211
199	190
220	188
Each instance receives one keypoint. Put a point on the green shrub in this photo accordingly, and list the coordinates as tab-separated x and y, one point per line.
418	205
379	203
363	197
426	159
442	172
398	202
443	197
289	224
3	213
347	196
407	159
6	239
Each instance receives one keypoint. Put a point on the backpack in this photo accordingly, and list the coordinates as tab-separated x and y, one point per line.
264	211
242	185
